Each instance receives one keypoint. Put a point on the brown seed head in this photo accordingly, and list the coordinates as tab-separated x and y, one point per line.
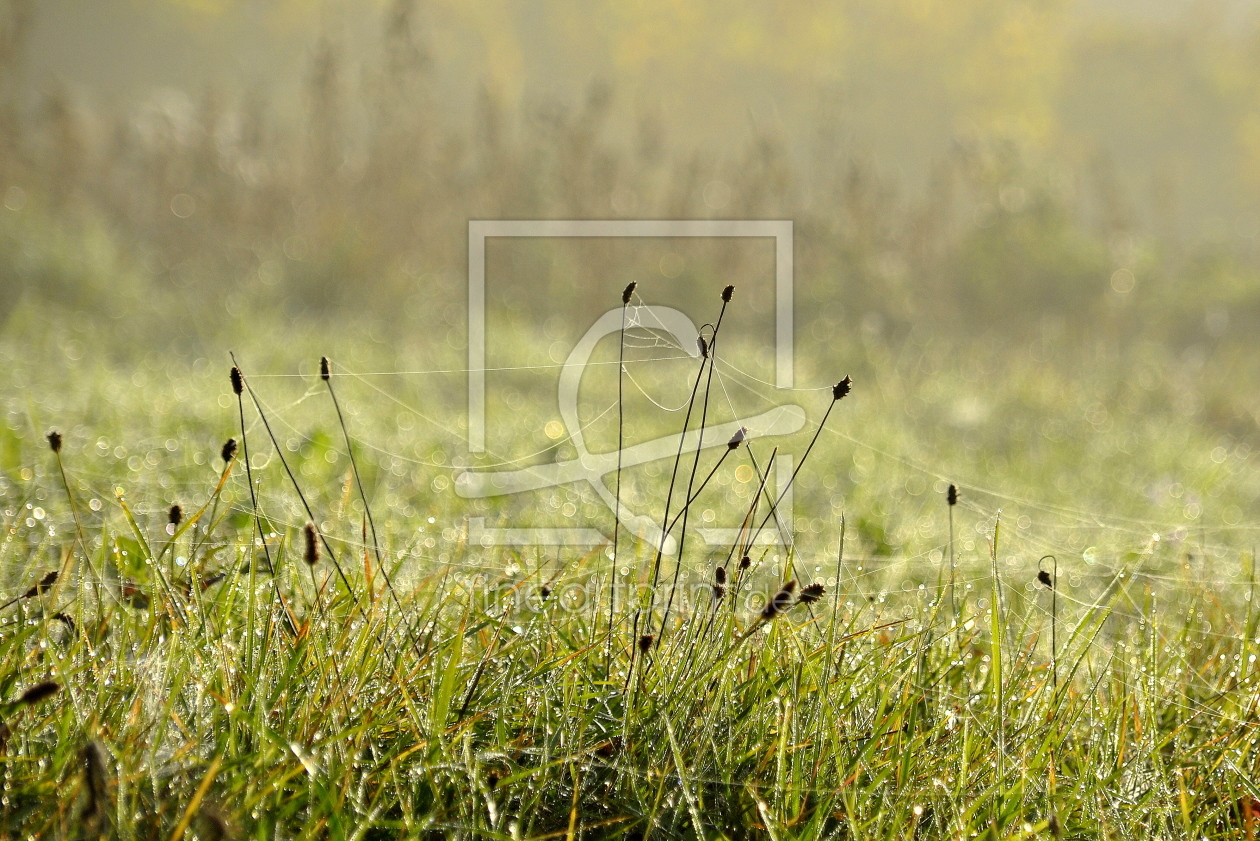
49	579
311	555
628	292
545	592
323	368
175	516
610	748
645	643
229	450
703	345
841	388
726	294
738	438
133	595
40	692
780	602
719	575
238	382
1044	578
951	496
745	562
211	580
54	441
811	594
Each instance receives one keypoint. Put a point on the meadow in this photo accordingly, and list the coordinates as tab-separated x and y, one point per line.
1005	586
408	683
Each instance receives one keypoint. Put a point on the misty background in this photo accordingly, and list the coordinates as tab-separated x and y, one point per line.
1044	182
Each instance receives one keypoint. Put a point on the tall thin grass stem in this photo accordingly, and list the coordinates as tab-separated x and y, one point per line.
626	295
262	415
710	352
839	390
951	499
673	478
54	441
995	635
325	375
1051	580
238	382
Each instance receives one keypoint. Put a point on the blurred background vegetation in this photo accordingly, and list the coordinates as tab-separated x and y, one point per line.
1002	186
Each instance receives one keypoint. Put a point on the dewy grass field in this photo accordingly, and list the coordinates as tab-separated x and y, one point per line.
1004	587
1048	660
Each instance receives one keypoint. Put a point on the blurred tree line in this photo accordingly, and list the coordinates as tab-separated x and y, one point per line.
1097	175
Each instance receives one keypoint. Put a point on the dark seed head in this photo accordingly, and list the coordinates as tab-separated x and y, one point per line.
726	294
229	450
719	575
745	562
841	388
54	441
703	345
738	438
49	579
811	594
40	692
94	777
214	827
323	368
492	780
780	602
951	496
311	555
545	592
210	581
645	643
133	595
238	383
628	292
175	516
1044	578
